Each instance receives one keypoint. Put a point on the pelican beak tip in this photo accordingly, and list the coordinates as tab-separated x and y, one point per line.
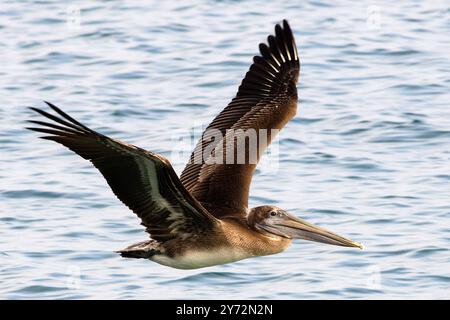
359	245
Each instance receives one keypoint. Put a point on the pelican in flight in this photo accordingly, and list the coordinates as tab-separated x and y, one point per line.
202	218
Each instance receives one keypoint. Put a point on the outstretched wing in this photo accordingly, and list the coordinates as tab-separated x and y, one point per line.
266	99
142	180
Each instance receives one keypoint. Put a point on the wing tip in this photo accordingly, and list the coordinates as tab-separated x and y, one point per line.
286	25
55	108
282	43
277	63
34	109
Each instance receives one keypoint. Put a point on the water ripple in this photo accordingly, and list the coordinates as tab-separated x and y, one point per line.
366	156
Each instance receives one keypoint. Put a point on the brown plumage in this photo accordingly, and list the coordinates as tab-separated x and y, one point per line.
202	219
266	99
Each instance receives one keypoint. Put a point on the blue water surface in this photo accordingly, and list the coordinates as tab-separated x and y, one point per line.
368	154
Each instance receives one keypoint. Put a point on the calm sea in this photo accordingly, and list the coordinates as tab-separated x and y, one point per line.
368	154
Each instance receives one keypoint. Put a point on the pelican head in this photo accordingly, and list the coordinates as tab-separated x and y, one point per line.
276	221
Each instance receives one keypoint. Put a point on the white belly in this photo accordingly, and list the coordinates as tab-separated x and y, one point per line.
201	259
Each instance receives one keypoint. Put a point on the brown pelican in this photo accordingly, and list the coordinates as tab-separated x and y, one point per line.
202	218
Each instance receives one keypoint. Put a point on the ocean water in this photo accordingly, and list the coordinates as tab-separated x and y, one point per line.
367	156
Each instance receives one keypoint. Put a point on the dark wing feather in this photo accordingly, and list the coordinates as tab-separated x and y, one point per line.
266	99
142	180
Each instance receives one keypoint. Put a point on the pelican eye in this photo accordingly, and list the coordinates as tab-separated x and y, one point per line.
273	213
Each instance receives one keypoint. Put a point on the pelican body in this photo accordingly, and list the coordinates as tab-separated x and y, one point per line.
232	242
202	218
